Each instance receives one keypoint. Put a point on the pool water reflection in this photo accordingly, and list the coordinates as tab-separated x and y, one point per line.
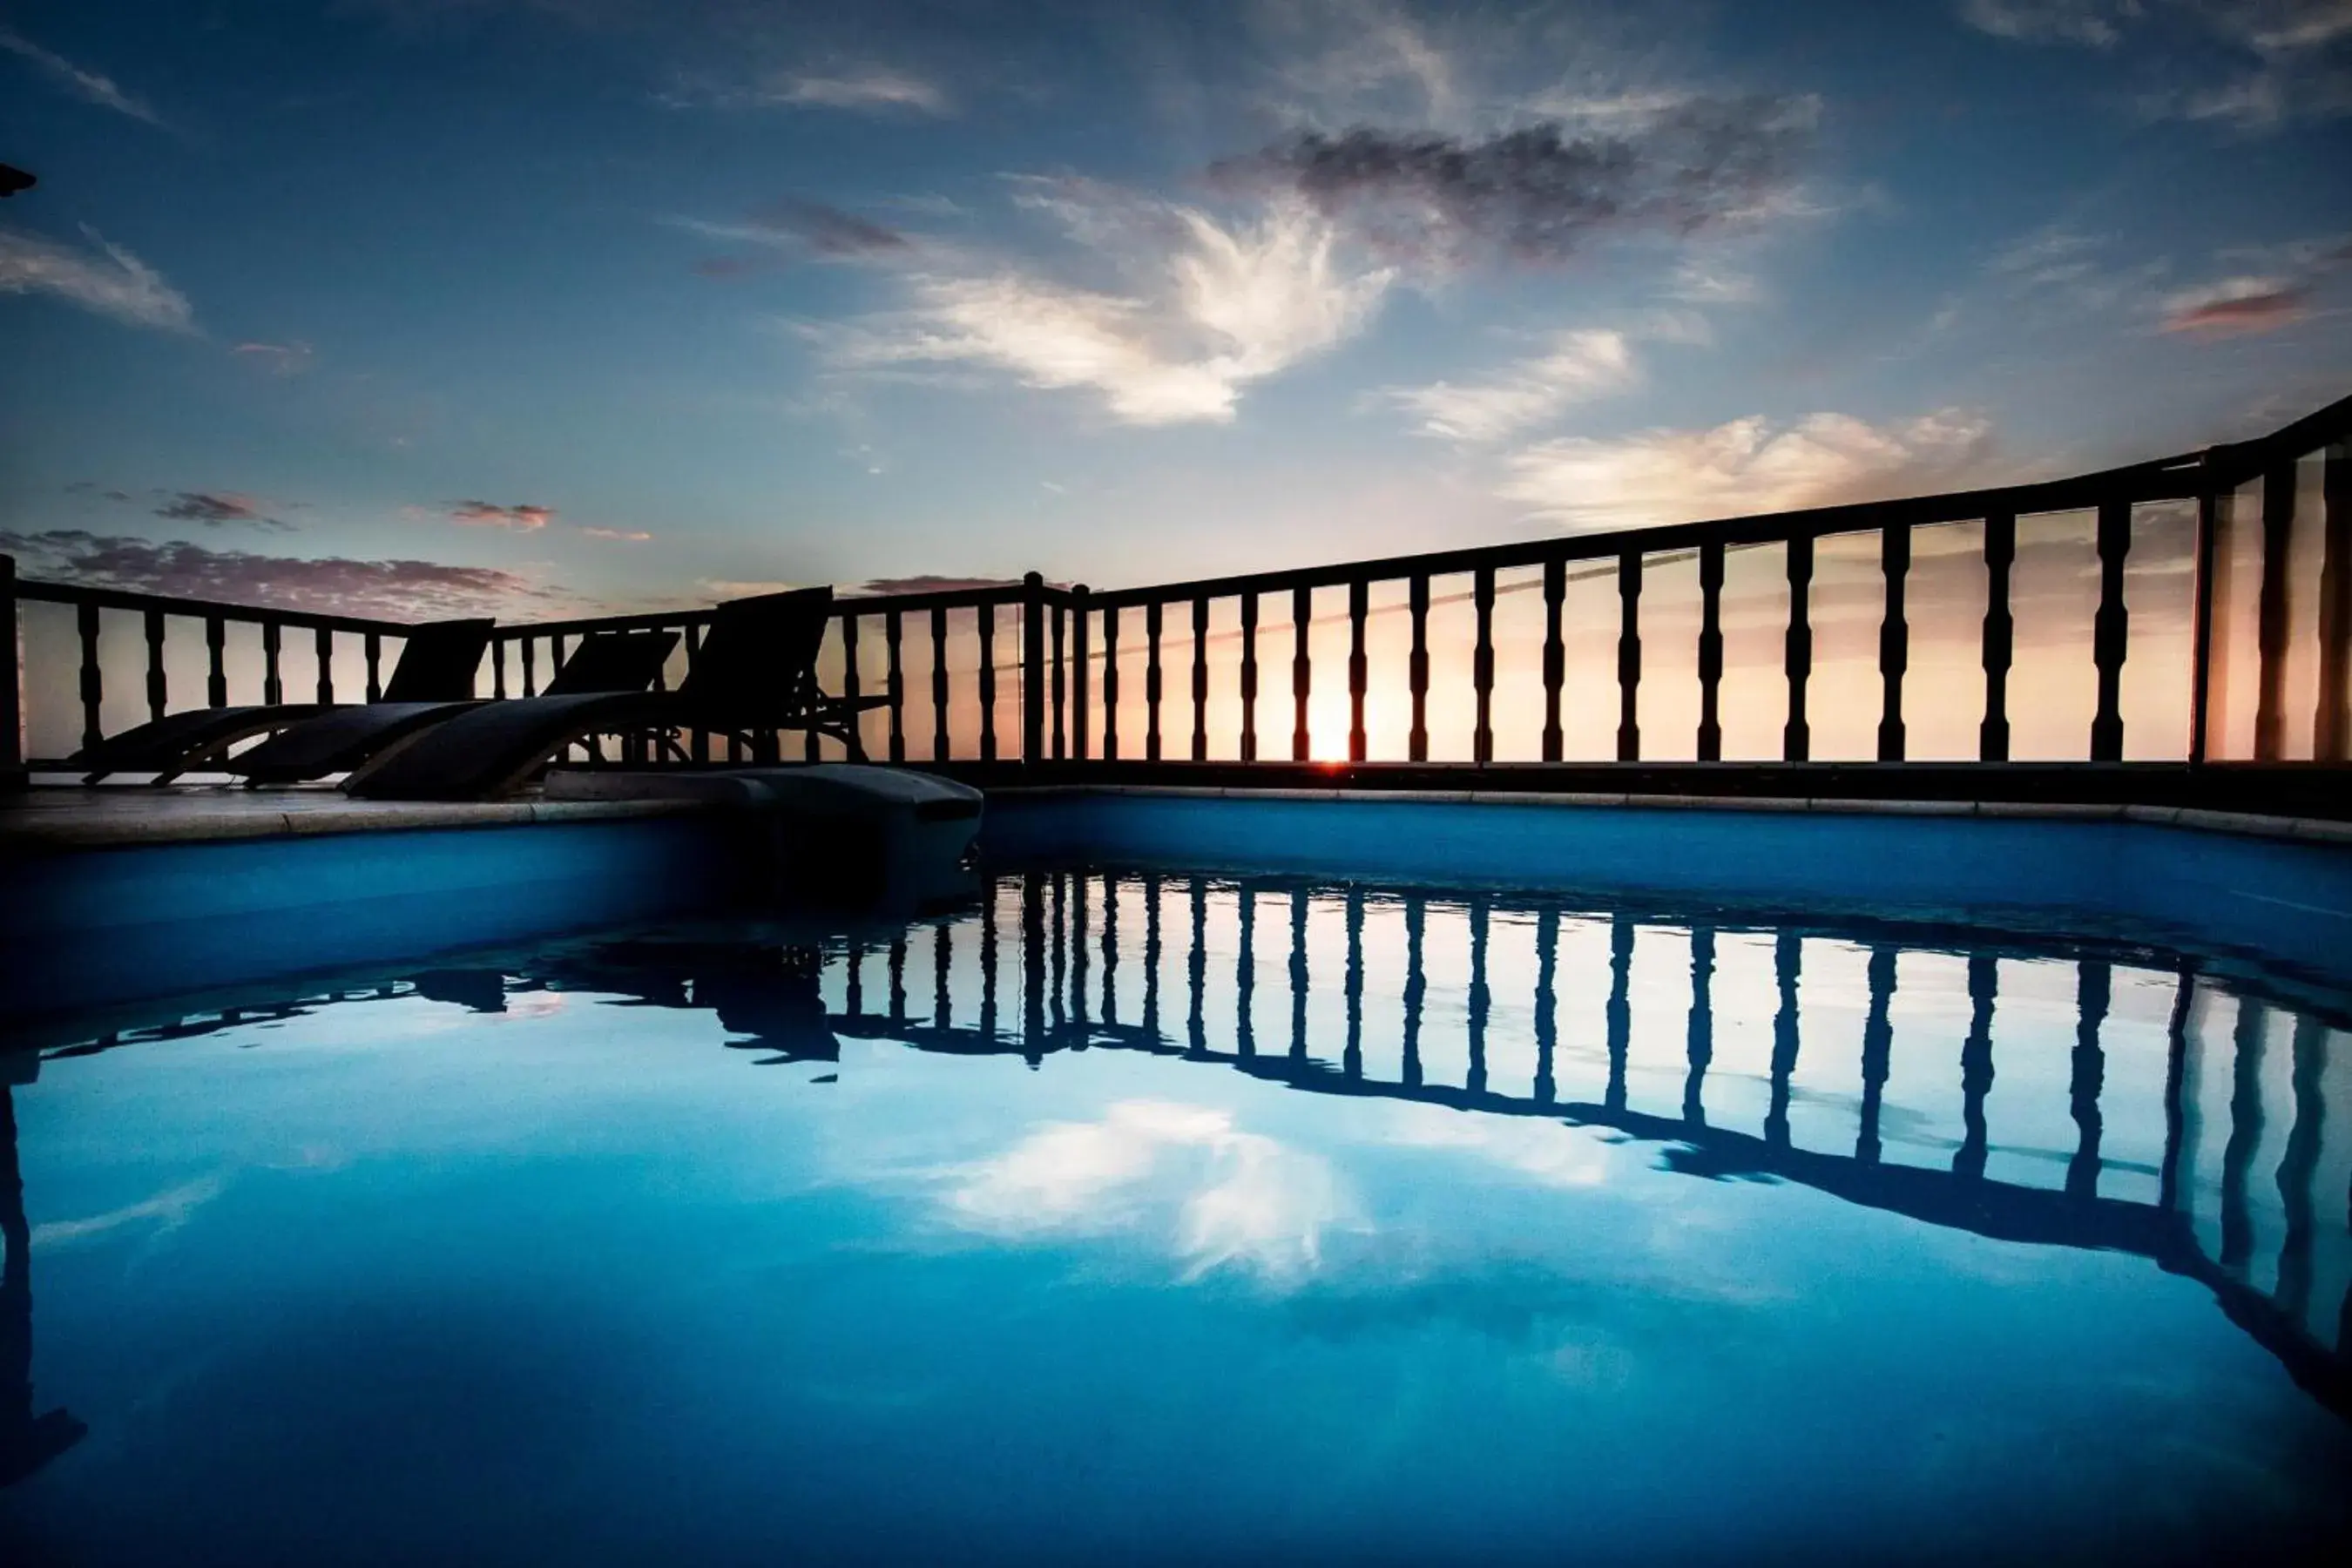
1163	1217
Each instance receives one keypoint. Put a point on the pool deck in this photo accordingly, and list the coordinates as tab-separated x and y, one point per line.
47	818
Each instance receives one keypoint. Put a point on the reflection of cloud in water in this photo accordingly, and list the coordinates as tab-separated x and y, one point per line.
169	1210
1553	1153
1240	1198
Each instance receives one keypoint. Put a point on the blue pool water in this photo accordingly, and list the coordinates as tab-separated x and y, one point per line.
1161	1216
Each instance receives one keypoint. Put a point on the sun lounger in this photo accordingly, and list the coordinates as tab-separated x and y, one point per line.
437	661
754	673
342	739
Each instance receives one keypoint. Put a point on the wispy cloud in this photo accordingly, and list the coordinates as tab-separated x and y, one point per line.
1215	306
930	583
397	589
618	535
279	359
1746	465
868	88
85	84
522	518
1541	192
2235	306
2280	60
2097	23
213	508
1574	367
109	279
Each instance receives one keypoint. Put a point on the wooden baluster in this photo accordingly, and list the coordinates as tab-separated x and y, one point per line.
1081	658
893	637
1110	683
531	667
1032	669
216	665
850	688
158	696
1302	672
1710	651
325	646
1151	681
1417	670
1796	737
1555	657
1628	655
986	615
2111	631
2278	529
498	668
12	711
1249	678
1199	680
1359	606
2331	730
93	683
273	687
1999	631
1482	664
939	747
812	748
1060	679
700	744
1894	639
2213	510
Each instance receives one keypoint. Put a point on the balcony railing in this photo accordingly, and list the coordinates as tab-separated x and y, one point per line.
2241	595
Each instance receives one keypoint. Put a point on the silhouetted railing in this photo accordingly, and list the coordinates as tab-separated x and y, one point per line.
1030	674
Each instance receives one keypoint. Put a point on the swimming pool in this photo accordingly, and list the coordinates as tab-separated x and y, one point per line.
1138	1213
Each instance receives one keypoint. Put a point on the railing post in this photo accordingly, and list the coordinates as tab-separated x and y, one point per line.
984	620
851	688
1199	680
1482	664
1302	672
2331	727
217	666
158	689
1081	685
1249	678
1359	605
1060	678
273	685
1032	669
324	644
1153	618
1628	655
2110	631
2212	516
1796	739
1894	639
1555	657
1999	633
2278	527
1710	651
94	682
1110	683
12	692
894	638
498	666
1417	673
939	746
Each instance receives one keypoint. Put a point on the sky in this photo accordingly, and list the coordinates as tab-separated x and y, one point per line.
414	306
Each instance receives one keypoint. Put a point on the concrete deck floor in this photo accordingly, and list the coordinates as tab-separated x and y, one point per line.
69	816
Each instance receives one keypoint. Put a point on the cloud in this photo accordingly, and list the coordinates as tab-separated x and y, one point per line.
88	85
522	518
869	89
114	283
1211	306
929	584
213	508
1241	1200
828	230
1744	467
1577	366
398	590
2097	23
1542	191
621	535
2284	59
279	359
2235	306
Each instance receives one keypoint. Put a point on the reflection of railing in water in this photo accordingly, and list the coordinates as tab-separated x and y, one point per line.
1048	965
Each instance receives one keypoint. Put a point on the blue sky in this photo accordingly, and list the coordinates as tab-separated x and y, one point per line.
422	305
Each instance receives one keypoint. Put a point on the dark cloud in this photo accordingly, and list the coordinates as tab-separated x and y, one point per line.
1539	192
213	508
2262	312
522	518
927	583
829	231
398	590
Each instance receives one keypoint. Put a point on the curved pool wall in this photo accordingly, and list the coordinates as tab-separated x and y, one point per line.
2283	903
96	926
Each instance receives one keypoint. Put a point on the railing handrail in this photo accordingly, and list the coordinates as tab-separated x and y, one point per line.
169	605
